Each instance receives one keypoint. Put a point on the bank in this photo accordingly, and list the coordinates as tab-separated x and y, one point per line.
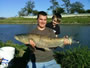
65	20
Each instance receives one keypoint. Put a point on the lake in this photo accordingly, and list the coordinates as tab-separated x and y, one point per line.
78	32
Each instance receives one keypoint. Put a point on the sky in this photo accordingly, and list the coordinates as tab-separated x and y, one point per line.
10	8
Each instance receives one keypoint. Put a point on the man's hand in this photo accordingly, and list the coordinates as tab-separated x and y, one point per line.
32	43
66	41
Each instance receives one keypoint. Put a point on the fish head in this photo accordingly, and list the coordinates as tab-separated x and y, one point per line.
22	38
18	37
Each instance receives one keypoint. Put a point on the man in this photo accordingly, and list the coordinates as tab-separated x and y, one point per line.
56	19
43	59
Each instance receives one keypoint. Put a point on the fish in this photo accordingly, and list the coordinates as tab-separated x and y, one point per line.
42	41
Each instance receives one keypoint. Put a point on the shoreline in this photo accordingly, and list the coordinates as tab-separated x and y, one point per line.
59	24
65	20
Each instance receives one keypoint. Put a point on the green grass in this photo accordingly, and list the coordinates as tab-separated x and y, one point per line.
17	20
65	20
76	20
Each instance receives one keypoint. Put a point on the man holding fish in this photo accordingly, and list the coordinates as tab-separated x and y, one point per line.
41	40
44	59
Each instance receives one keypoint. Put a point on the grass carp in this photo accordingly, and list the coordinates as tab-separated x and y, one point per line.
42	41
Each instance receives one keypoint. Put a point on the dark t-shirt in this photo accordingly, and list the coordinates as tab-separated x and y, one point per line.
55	29
40	55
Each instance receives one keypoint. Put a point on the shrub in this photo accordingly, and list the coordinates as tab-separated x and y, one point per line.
20	49
74	58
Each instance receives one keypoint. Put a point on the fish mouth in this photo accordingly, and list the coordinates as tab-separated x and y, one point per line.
16	37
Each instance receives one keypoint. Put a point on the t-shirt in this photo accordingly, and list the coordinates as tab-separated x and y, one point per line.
55	29
40	55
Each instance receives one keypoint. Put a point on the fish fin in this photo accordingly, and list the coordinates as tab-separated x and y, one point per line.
47	49
62	45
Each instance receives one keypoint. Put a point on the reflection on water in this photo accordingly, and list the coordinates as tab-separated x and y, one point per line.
79	32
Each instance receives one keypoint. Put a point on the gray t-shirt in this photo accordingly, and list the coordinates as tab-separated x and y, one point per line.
40	55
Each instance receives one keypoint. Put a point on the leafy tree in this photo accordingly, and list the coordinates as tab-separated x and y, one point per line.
35	12
81	11
77	7
53	6
22	12
88	11
28	9
67	5
58	10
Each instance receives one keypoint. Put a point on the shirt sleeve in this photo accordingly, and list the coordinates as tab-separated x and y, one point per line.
58	30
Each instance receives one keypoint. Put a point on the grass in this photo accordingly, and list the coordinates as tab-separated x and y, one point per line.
65	20
17	20
76	20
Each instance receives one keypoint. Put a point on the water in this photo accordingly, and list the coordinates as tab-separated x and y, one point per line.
79	32
8	31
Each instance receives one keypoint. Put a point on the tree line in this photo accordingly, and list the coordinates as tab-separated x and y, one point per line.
67	7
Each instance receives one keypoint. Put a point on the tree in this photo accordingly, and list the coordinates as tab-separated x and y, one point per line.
53	6
22	12
81	11
28	9
88	11
67	5
77	7
35	12
59	10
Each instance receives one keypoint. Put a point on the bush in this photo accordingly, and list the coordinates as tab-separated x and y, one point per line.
74	58
20	49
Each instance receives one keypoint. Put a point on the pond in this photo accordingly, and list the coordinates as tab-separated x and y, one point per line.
78	32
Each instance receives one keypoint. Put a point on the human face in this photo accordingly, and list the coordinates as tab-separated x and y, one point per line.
55	22
42	20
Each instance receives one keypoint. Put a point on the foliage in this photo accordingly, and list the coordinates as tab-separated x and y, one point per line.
67	5
28	9
77	7
53	6
58	10
22	12
78	57
74	58
35	12
20	49
88	11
